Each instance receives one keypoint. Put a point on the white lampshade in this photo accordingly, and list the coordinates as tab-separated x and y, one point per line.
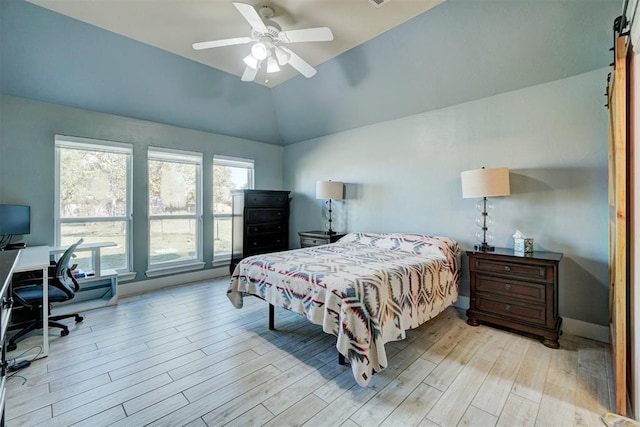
491	182
329	190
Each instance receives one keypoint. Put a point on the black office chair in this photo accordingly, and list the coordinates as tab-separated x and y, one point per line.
27	293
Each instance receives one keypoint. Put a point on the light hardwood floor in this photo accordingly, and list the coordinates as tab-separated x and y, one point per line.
185	356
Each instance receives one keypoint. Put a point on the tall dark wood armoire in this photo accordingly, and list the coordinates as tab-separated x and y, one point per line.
260	223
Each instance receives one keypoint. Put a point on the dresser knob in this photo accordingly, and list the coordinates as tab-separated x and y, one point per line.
507	307
507	286
507	268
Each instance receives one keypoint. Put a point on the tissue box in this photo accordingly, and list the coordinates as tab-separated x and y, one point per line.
523	245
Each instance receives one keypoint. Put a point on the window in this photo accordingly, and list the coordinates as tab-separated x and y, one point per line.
228	174
93	199
175	209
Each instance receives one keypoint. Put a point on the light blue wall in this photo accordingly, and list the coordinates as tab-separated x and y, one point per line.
27	130
50	57
404	176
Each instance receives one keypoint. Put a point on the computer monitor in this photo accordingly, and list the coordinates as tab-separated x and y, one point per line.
15	219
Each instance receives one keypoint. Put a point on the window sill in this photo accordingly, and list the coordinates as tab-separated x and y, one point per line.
221	263
162	271
125	277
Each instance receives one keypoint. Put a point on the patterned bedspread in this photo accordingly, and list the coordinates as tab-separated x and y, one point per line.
367	289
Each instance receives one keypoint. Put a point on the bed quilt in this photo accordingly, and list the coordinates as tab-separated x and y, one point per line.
367	289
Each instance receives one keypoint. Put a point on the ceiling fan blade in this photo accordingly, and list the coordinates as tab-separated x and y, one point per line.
300	64
251	15
249	74
320	34
220	43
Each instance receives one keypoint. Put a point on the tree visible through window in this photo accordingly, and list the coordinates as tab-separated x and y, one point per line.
93	182
228	174
175	207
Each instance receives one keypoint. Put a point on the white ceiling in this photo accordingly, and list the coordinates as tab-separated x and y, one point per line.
174	25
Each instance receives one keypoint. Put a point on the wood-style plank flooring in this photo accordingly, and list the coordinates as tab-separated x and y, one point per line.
185	356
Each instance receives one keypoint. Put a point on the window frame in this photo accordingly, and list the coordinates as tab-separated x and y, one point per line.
105	146
219	160
185	157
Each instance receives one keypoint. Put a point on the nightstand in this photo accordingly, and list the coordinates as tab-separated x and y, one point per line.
315	238
516	291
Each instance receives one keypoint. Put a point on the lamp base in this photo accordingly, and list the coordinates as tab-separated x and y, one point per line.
484	247
329	233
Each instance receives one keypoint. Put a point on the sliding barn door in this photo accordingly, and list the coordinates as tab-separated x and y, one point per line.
619	205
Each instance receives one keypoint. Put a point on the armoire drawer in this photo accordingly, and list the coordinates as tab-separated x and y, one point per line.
265	199
266	241
254	216
265	228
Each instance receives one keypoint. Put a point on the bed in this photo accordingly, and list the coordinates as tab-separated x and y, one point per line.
367	289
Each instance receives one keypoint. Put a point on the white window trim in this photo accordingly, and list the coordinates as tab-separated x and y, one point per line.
184	267
233	161
186	157
237	162
96	145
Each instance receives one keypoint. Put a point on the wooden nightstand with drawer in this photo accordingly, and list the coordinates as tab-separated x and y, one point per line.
316	238
515	291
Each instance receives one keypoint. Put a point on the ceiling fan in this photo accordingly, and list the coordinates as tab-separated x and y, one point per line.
268	40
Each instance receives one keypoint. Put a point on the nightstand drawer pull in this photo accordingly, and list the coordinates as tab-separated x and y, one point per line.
507	268
507	307
507	286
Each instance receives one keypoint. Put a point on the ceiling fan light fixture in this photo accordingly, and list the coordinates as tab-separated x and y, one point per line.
251	61
268	54
282	56
259	51
272	65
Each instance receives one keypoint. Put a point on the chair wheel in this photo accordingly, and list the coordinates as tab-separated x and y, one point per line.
64	332
11	346
79	318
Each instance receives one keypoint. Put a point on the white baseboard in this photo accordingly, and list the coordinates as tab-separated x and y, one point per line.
585	329
133	288
570	326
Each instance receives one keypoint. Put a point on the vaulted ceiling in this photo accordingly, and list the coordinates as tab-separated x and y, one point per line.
455	52
174	25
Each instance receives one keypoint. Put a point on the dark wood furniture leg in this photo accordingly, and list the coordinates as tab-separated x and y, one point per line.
272	310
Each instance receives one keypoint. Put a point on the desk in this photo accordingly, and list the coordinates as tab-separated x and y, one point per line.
31	259
94	248
8	260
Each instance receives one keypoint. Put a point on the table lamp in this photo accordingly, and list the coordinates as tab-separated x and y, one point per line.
329	190
492	182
